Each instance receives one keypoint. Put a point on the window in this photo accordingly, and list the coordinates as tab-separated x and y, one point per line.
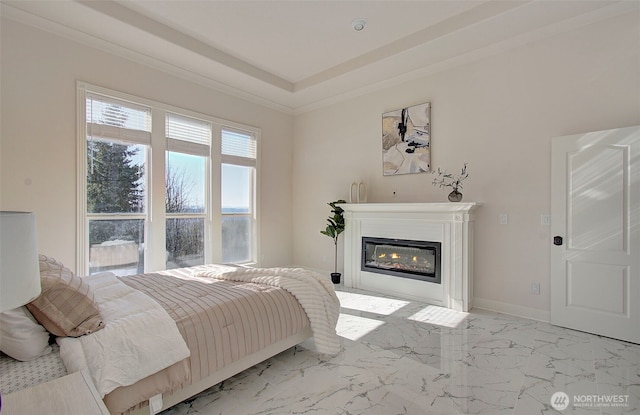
185	183
238	195
117	140
155	194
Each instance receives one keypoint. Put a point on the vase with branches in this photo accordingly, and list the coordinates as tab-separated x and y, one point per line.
335	226
454	181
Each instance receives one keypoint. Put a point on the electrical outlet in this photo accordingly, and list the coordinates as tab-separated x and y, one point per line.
545	220
504	219
535	288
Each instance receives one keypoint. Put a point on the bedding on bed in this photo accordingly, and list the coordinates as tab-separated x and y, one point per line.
221	321
314	292
16	375
139	338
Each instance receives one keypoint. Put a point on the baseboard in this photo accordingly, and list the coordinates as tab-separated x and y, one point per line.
512	309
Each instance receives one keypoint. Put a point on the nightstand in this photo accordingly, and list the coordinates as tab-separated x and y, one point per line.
71	394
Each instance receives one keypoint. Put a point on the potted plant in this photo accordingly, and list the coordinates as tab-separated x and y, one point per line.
454	181
335	226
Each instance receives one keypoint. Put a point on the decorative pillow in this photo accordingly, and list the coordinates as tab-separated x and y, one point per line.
21	337
65	307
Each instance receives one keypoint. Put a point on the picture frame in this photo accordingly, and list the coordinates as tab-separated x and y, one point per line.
406	140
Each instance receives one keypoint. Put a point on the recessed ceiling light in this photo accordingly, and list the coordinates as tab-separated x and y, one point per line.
358	24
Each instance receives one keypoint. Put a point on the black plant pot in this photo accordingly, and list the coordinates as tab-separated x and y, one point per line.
335	277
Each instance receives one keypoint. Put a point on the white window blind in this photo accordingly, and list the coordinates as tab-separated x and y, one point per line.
111	119
188	135
239	144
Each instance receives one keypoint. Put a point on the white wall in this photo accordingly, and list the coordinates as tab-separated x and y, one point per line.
38	133
498	114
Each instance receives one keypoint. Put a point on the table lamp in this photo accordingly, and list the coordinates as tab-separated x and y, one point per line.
19	265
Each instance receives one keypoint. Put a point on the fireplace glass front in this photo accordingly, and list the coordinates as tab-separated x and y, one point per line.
419	260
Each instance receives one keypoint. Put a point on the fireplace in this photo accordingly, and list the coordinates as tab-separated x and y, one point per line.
450	224
418	260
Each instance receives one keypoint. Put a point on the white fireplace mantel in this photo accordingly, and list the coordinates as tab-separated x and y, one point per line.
451	224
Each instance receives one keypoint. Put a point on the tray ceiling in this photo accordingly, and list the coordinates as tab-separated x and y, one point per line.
299	55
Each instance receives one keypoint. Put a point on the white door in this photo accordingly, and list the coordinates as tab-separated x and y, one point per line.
595	253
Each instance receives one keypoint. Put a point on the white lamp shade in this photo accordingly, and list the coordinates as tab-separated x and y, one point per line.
19	265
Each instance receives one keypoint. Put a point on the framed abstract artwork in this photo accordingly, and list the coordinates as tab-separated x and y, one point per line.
406	140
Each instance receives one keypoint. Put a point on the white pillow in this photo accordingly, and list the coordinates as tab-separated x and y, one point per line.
21	337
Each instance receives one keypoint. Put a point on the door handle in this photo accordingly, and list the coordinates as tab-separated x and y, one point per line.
557	240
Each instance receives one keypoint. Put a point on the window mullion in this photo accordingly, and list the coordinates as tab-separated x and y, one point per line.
215	196
155	254
255	245
186	215
82	236
115	216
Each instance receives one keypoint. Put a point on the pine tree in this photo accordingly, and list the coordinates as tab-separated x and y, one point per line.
113	181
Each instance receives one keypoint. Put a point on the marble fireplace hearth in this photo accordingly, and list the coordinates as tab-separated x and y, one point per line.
451	224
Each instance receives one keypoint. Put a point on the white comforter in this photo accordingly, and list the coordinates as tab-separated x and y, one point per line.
139	337
314	292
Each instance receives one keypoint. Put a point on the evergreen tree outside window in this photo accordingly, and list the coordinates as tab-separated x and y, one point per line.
114	178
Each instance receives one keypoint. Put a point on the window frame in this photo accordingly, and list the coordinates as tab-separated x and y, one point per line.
236	160
206	215
155	215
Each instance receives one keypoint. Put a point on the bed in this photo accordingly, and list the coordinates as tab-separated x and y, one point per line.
163	337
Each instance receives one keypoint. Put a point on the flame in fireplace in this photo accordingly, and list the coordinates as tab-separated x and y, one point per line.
395	255
396	258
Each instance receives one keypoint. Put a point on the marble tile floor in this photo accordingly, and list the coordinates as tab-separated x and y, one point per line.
405	357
